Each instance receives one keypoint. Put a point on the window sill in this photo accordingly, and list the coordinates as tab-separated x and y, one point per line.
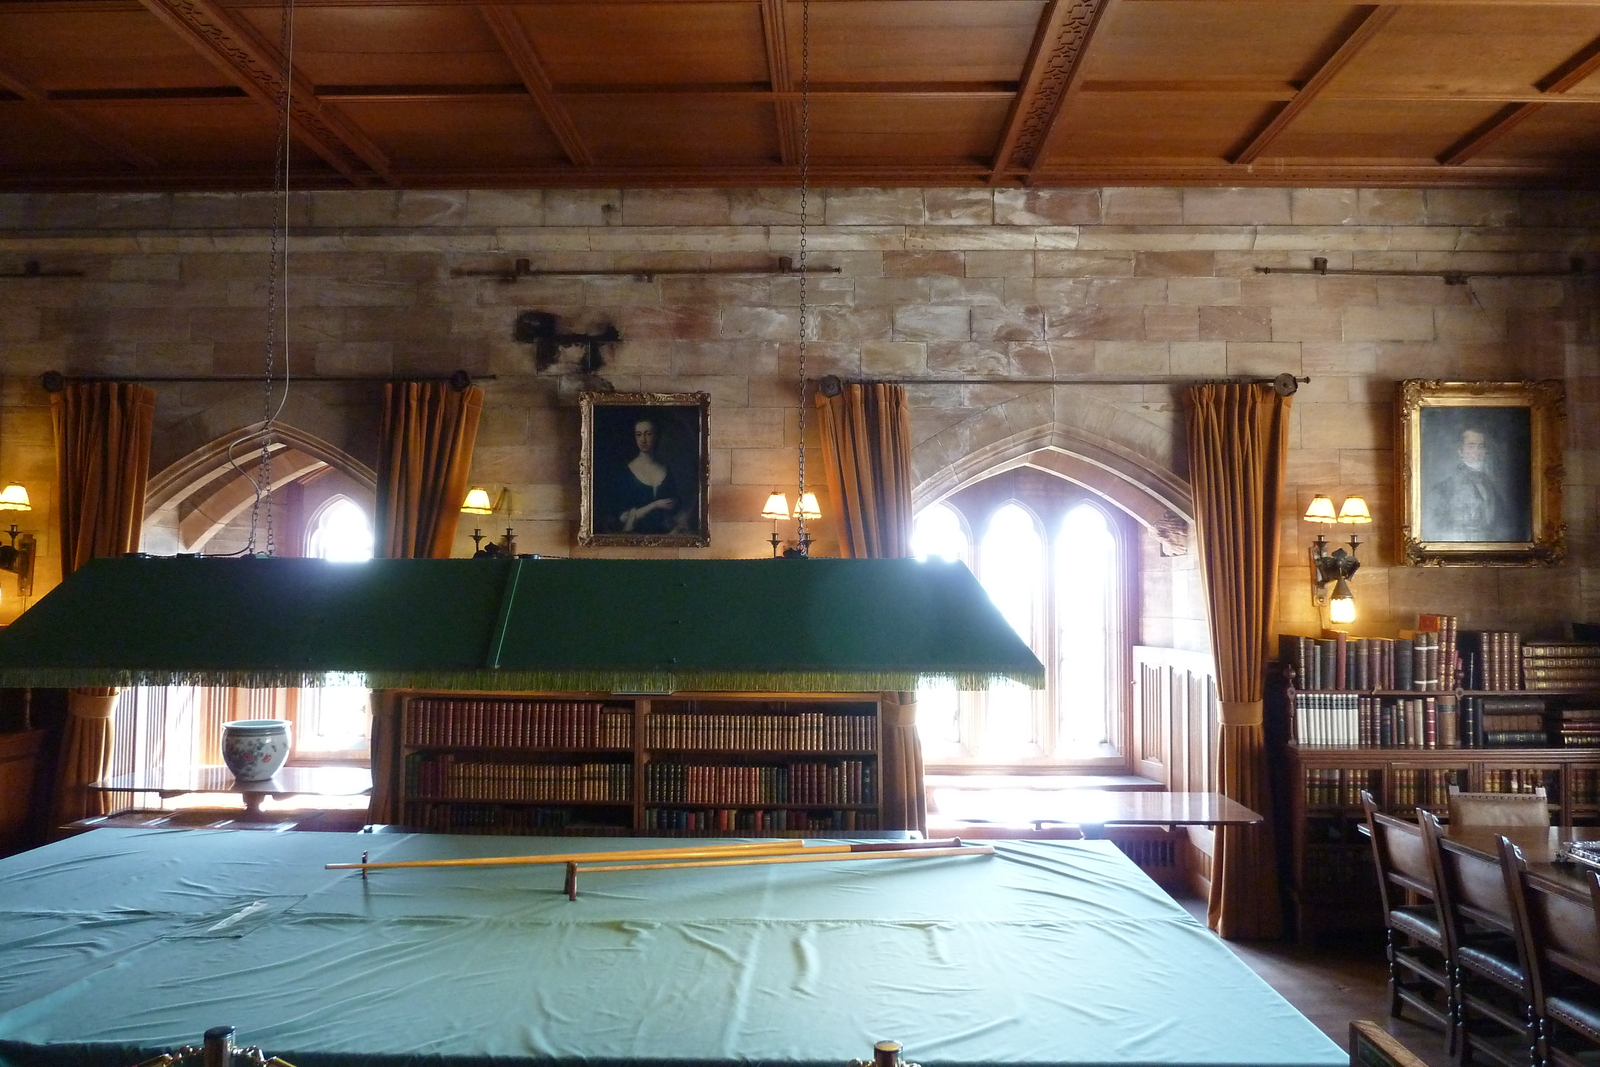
1013	799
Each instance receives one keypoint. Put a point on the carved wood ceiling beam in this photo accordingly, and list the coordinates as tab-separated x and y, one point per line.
1368	28
1065	29
257	67
775	31
519	50
1567	76
107	140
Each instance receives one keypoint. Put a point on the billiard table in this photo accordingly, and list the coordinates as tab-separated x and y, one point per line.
119	943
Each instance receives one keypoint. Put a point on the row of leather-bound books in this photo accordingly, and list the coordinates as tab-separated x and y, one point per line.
841	782
756	820
444	776
495	723
799	732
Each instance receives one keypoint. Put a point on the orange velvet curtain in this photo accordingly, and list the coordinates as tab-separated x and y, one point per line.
102	438
866	448
424	458
1238	440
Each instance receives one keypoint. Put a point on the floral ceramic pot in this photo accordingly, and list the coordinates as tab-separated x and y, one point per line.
254	749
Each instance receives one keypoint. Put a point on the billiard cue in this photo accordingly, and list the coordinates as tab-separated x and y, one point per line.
708	851
818	855
796	846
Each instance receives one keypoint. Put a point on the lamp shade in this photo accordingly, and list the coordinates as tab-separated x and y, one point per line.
777	507
807	507
477	502
1354	509
1342	604
14	498
1320	510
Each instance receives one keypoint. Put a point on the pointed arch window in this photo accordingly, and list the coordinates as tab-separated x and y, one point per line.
1059	563
340	531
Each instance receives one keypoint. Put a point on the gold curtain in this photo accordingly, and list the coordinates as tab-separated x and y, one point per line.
102	439
1238	439
866	449
102	433
85	755
424	459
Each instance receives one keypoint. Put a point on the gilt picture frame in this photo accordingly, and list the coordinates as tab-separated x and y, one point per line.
1479	472
644	471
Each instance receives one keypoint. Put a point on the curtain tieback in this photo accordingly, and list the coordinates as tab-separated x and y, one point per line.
898	710
96	703
1242	712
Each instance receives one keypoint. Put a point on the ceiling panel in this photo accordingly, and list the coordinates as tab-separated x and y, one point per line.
478	134
923	131
228	134
915	40
1126	126
648	43
1181	40
1470	50
85	49
908	91
385	45
647	131
32	139
1377	129
1564	132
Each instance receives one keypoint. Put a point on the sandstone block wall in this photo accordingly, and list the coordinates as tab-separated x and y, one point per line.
931	284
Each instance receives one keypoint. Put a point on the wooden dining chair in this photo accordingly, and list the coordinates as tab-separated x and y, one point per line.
1419	972
1494	1013
1499	809
1559	942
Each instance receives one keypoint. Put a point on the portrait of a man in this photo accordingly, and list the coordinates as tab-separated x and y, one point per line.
644	469
1476	474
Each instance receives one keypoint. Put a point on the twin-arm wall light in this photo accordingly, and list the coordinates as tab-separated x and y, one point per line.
777	507
478	503
1335	568
17	556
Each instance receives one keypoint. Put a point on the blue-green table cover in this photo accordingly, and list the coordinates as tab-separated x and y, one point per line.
119	943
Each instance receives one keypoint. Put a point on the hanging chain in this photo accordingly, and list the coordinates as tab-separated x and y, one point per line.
280	194
805	189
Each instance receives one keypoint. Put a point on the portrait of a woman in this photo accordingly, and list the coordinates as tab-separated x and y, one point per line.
644	468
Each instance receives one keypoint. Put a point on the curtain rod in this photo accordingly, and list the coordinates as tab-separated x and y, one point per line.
1319	266
54	381
1282	384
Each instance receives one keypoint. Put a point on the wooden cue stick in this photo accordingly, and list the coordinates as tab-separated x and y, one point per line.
897	851
708	851
809	856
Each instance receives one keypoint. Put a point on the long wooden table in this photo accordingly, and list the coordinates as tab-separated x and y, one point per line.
1539	849
1092	810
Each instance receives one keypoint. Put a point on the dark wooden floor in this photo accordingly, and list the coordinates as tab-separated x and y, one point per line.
1333	983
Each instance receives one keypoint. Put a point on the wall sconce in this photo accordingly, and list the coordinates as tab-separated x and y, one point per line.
17	557
478	503
14	498
777	507
1335	568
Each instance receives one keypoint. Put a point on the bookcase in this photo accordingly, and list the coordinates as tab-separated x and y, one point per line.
572	763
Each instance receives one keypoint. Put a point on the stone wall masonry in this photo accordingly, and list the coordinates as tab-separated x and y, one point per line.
1068	284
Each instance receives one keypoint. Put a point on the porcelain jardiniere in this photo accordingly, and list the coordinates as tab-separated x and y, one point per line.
254	749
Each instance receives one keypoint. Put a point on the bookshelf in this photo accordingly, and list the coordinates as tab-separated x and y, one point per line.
1404	719
599	764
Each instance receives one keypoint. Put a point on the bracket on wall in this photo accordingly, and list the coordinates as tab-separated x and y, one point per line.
538	328
1319	265
32	269
523	268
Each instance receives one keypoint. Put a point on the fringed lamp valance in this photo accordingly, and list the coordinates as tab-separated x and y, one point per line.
808	625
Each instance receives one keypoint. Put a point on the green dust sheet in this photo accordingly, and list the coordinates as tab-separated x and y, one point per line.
119	943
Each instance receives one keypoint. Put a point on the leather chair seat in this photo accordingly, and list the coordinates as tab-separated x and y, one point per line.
1579	1011
1495	958
1420	921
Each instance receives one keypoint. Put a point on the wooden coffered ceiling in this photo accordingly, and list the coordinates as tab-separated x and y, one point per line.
185	94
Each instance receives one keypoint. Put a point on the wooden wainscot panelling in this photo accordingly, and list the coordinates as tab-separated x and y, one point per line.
1175	742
